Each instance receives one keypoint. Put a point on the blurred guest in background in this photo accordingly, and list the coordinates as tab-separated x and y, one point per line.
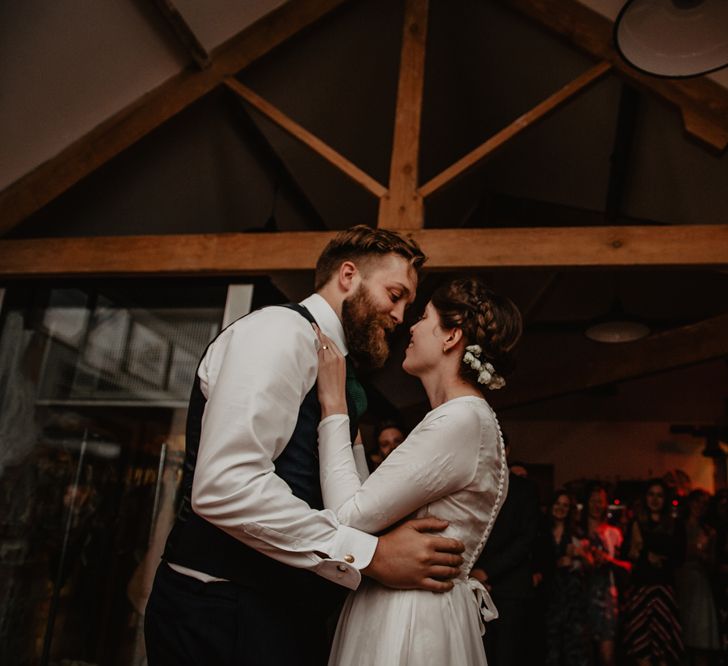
697	609
567	642
718	520
389	434
519	469
652	632
600	550
506	566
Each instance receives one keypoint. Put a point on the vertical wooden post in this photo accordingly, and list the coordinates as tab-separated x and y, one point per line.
401	207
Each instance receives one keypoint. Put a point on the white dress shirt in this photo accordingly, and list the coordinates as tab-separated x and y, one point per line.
255	376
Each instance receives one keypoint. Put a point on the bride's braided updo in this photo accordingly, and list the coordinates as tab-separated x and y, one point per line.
486	319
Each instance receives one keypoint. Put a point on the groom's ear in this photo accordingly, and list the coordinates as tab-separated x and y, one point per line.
349	276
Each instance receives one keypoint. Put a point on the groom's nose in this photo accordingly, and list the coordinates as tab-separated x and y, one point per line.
397	312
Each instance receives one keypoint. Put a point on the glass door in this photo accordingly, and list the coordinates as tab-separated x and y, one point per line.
94	382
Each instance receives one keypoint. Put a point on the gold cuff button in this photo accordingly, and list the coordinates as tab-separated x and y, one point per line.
349	558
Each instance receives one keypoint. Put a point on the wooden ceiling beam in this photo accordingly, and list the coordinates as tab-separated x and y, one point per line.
58	174
282	177
402	206
607	364
622	149
448	249
528	119
703	103
304	136
183	32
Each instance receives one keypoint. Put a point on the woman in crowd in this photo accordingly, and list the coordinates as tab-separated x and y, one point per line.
601	546
718	520
652	634
695	598
567	643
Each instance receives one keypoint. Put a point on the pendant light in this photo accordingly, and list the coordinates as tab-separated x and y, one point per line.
616	326
673	38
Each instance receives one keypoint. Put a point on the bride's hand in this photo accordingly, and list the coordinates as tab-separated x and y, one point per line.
331	382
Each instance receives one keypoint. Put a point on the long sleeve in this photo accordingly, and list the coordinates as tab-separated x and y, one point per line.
360	461
255	377
438	458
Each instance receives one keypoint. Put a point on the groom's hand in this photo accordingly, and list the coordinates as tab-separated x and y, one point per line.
410	557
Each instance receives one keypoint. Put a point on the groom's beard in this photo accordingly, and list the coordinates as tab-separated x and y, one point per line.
366	329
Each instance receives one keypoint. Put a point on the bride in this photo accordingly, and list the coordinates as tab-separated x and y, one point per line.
451	466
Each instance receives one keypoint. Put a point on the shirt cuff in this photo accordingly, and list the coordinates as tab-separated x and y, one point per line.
334	419
352	551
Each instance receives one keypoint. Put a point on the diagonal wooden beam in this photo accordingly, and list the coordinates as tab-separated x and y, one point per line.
402	207
448	249
304	136
606	364
55	176
183	32
703	103
528	119
279	171
622	149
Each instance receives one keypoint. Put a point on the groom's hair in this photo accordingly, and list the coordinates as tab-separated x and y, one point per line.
360	243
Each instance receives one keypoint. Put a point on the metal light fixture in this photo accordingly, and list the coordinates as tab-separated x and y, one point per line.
616	326
673	38
617	331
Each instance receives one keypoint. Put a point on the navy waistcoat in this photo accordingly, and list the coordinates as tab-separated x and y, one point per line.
197	544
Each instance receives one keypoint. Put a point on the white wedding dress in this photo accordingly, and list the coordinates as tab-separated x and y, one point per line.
451	466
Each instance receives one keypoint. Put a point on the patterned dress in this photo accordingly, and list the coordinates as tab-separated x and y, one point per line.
652	626
601	587
567	642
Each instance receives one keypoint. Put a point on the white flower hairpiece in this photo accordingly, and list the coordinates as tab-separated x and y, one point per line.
486	372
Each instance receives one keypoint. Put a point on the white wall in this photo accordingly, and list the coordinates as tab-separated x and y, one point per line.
66	66
610	450
625	431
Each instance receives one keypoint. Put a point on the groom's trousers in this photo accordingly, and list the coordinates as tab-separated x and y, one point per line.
189	622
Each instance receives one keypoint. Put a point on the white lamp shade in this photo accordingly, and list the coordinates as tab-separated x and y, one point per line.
617	331
673	38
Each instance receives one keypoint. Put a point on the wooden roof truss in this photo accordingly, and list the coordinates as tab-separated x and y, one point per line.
703	105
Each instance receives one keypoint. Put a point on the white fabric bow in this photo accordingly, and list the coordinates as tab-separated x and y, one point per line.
484	602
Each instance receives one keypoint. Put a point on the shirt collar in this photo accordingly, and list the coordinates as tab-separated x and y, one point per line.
327	320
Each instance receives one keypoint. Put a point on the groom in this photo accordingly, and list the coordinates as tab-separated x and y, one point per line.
253	566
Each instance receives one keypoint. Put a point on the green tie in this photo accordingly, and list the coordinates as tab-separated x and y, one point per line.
355	393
